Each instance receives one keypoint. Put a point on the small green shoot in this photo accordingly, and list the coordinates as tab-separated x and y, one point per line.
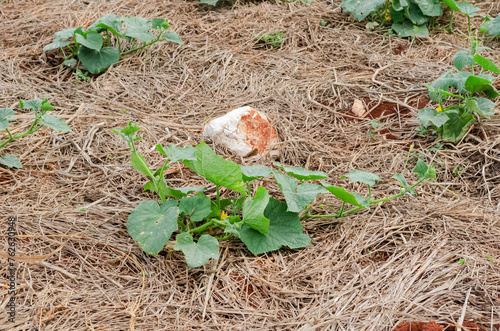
274	39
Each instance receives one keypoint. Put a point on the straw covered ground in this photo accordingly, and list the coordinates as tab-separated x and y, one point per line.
371	270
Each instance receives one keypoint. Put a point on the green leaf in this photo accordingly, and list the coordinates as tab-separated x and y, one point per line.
361	8
181	192
139	163
462	7
424	171
65	34
10	161
297	196
91	39
253	211
494	27
285	229
397	16
70	63
430	7
250	173
196	207
362	177
46	106
303	174
486	64
457	126
352	198
34	104
215	169
400	178
56	44
399	5
476	84
55	123
175	153
407	29
197	254
5	117
462	59
135	21
158	23
172	37
152	225
486	107
209	2
139	33
110	22
96	61
415	15
128	132
427	115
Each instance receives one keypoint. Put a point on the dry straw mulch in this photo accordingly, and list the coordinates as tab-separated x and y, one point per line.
368	271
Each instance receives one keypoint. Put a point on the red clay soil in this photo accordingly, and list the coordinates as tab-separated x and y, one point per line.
433	326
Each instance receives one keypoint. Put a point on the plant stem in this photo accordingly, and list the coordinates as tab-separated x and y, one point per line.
341	209
203	227
218	196
451	22
141	47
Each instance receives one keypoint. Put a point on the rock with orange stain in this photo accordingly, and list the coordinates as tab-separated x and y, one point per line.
358	108
245	131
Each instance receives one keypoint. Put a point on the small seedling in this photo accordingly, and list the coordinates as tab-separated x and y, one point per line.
456	171
375	123
274	39
82	76
42	118
462	261
262	223
437	147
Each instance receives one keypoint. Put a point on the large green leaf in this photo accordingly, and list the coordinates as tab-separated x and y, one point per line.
10	161
427	115
197	254
463	58
91	39
34	104
407	29
285	229
96	61
215	169
362	177
181	192
55	123
486	64
250	173
399	5
303	174
138	27
424	171
476	84
486	107
457	126
352	198
462	7
297	196
110	22
253	210
415	15
360	9
5	117
196	207
65	34
58	43
152	225
159	23
430	7
175	153
494	27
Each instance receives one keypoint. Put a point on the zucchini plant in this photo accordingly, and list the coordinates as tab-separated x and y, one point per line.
249	213
42	118
94	48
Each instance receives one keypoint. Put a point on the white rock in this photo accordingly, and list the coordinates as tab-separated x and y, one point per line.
245	131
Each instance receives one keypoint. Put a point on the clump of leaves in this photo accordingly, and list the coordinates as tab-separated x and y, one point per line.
42	118
261	222
410	18
471	94
93	48
274	39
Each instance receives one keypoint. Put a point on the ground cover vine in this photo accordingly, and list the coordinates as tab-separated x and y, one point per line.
261	222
